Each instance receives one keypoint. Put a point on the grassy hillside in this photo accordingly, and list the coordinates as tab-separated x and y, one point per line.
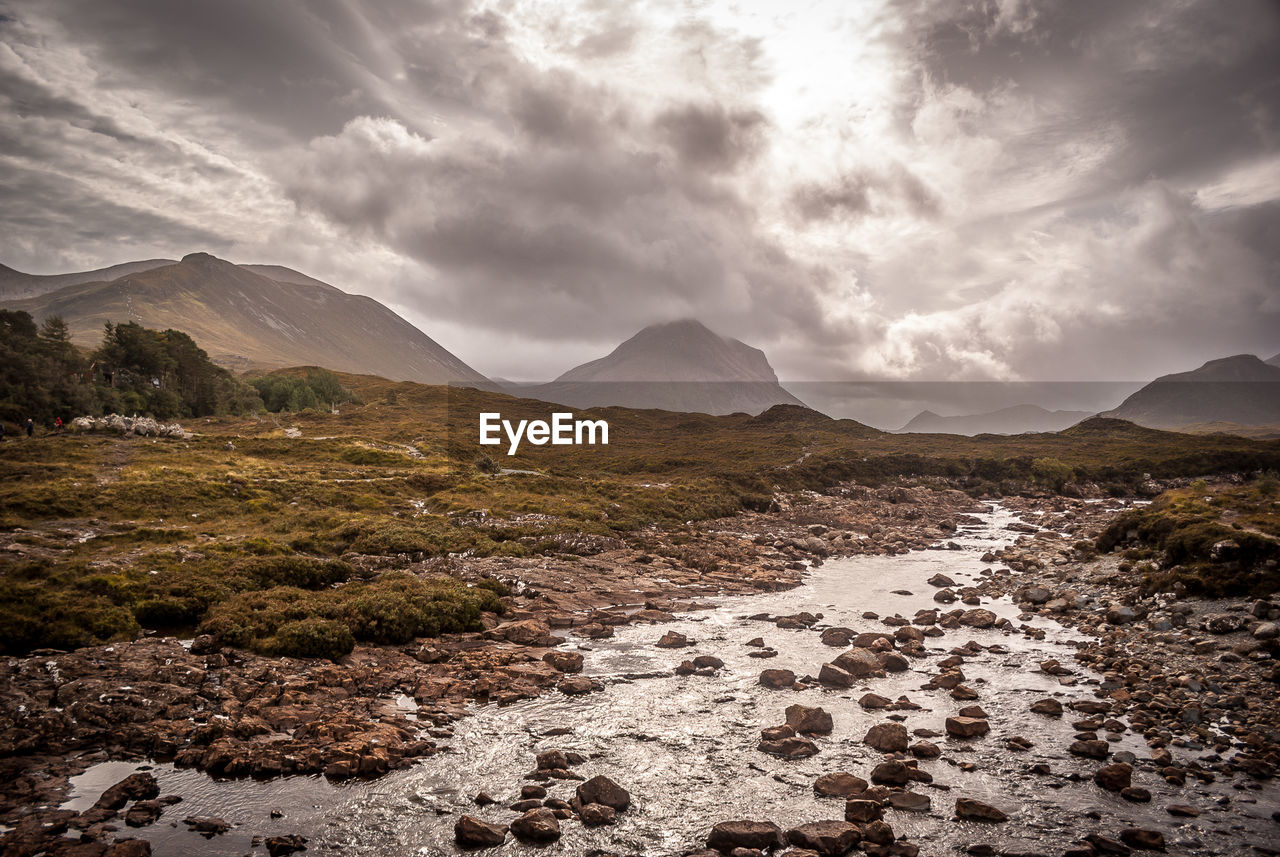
245	529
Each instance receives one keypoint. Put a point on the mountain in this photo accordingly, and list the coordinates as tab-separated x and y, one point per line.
15	285
678	366
1274	361
1012	420
1240	390
244	319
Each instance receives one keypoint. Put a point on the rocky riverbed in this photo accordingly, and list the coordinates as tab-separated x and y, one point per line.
935	712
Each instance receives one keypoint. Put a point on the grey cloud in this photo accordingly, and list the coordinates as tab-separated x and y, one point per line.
711	136
860	192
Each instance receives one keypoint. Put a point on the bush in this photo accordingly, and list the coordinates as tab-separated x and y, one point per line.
310	638
303	572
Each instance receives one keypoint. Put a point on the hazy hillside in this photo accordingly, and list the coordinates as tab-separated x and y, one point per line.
1012	420
15	285
1240	390
678	366
246	320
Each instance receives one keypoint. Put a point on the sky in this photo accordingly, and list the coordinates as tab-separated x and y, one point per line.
866	189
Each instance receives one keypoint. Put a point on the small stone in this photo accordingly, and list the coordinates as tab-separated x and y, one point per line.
839	784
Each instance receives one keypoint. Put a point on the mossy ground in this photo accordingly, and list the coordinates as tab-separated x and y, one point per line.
107	536
1219	540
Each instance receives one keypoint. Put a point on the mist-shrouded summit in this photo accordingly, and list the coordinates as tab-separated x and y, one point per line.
1232	391
258	317
15	285
676	366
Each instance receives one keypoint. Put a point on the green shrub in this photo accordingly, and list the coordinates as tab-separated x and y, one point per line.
310	638
303	572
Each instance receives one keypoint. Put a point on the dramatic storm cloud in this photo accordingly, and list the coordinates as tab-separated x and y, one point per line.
893	190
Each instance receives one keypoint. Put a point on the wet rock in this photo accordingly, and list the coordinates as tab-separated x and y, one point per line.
777	733
728	835
279	846
128	848
925	750
978	618
778	679
887	738
1050	707
707	662
525	805
536	825
525	632
139	786
602	790
828	838
756	642
975	810
809	721
532	791
597	815
862	811
858	662
552	760
909	801
1142	839
673	640
1114	777
576	685
839	784
878	833
1090	749
207	826
143	812
565	662
1224	623
838	637
940	580
1105	845
966	727
894	662
1120	615
833	676
789	748
1136	794
890	773
483	799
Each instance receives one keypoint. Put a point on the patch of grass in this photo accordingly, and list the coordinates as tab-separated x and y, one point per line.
396	608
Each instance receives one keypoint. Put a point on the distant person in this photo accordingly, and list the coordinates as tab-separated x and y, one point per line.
31	427
57	425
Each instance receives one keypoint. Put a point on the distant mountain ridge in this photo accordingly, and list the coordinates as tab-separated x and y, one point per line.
15	285
244	319
1016	419
676	366
1241	390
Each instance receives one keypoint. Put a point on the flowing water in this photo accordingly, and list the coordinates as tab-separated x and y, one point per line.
685	746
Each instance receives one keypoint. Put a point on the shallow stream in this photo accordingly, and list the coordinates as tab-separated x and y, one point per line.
685	746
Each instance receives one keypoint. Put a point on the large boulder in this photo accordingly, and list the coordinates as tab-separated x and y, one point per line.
809	721
471	832
743	833
602	790
833	676
976	810
525	632
967	727
828	838
858	662
887	738
839	784
537	826
1114	778
778	679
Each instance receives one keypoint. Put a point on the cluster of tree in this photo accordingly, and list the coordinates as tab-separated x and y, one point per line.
163	374
318	388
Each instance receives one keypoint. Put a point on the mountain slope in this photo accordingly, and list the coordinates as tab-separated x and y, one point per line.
1242	390
243	320
1016	419
15	285
1274	361
679	366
